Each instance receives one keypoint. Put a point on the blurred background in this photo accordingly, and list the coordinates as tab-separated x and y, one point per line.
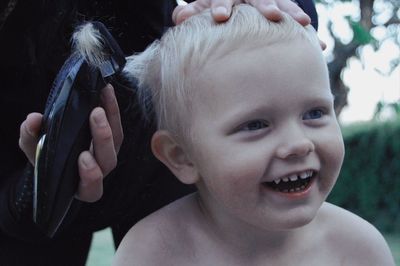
363	57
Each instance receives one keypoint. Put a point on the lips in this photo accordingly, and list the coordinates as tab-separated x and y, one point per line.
293	183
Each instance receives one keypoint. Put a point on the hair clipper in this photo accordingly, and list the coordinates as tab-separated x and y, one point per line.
65	129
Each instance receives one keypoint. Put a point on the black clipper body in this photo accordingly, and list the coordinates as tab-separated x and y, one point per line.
65	129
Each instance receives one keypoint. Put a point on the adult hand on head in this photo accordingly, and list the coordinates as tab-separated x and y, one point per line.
101	159
221	9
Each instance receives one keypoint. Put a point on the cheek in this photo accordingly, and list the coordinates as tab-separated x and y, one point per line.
332	158
236	164
335	151
232	173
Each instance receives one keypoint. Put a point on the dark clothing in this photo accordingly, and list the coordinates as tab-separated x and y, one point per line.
34	42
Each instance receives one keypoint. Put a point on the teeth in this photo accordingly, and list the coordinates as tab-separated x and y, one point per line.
294	177
304	175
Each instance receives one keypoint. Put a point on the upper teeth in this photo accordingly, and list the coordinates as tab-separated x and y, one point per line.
294	177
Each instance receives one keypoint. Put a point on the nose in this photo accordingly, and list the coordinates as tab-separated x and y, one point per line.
295	144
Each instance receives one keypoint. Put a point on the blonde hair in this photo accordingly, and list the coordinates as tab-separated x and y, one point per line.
165	69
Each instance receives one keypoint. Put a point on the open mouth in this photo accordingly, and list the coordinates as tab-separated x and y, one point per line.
292	184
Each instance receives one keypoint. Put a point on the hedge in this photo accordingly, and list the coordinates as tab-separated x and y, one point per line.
369	183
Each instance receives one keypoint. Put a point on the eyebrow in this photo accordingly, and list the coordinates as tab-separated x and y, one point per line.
321	100
238	115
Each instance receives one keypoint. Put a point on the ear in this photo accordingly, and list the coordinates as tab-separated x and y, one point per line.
174	156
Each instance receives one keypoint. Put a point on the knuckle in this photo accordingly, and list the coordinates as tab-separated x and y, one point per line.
91	176
90	188
105	134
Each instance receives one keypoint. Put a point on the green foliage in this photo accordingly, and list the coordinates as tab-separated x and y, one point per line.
361	35
369	183
381	106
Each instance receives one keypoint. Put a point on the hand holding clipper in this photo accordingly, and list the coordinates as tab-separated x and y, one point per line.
65	129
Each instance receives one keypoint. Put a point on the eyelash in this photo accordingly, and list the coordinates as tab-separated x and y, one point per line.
254	125
310	115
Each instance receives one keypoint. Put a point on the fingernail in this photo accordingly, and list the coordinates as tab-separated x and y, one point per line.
99	118
27	127
181	3
107	93
109	87
221	10
88	162
302	15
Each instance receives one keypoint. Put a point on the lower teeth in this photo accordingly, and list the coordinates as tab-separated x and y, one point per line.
291	190
299	188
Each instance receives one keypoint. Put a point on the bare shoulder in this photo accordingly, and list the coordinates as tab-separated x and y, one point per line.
355	239
157	239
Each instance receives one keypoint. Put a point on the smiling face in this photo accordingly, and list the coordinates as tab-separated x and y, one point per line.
266	143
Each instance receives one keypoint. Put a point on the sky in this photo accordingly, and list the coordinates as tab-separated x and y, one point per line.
367	85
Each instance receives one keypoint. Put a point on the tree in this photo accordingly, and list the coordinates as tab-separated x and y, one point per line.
373	14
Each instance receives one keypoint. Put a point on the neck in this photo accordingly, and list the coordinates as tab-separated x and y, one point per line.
244	239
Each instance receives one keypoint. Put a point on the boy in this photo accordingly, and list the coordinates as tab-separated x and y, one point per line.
258	136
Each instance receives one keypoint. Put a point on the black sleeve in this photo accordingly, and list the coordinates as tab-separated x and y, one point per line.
34	42
16	206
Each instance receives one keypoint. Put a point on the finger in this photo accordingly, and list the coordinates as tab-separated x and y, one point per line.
29	135
268	8
176	15
90	188
221	9
103	143
294	11
181	13
110	104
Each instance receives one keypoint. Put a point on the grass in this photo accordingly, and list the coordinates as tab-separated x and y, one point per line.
102	250
394	244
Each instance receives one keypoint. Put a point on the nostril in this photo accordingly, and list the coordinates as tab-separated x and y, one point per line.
295	149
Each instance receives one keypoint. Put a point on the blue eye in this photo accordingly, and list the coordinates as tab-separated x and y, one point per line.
254	125
313	114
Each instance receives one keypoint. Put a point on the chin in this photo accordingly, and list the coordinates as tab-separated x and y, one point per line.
300	222
297	220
